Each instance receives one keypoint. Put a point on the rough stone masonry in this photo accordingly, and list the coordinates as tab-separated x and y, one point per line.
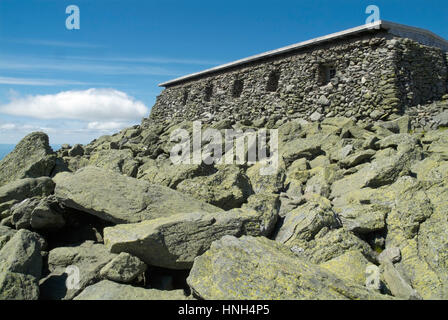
368	72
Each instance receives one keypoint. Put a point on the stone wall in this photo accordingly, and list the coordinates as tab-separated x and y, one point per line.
372	76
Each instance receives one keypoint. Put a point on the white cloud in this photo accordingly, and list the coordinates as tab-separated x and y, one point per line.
92	105
8	126
106	126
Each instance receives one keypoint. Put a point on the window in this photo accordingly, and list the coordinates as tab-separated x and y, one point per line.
273	79
326	73
237	88
185	97
208	93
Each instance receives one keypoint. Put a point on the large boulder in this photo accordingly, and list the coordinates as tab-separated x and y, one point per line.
18	286
22	254
20	190
108	290
31	158
227	189
64	263
174	242
307	220
121	161
124	268
261	269
120	199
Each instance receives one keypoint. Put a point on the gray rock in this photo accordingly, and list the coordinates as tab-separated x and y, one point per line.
257	268
398	286
20	190
108	290
18	286
373	278
306	221
22	254
120	199
47	215
390	255
174	242
77	150
77	266
31	158
21	213
124	268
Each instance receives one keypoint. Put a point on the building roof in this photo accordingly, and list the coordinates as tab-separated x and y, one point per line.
423	36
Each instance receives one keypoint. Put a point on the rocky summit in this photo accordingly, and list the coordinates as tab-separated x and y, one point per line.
354	210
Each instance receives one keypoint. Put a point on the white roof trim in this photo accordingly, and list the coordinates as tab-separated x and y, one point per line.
393	28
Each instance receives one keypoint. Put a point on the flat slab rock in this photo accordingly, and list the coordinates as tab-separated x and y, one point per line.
120	199
108	290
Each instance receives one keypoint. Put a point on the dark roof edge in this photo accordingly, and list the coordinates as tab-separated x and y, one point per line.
400	30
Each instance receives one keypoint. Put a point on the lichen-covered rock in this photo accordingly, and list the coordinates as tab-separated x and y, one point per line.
108	290
121	161
22	254
31	158
21	213
227	189
83	263
6	234
47	215
329	244
124	268
307	220
18	286
20	190
120	199
164	173
174	242
351	266
261	269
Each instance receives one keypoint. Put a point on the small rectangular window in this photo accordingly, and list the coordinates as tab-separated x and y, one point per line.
326	73
208	93
237	89
273	80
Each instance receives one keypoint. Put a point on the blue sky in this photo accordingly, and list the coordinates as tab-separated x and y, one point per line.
77	85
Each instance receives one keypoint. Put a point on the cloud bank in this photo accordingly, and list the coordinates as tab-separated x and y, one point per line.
92	105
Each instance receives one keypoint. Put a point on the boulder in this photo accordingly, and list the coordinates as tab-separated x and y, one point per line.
124	268
20	190
6	234
108	290
31	158
22	254
257	268
227	189
18	286
351	266
21	213
174	242
47	215
307	220
397	285
330	244
121	161
120	199
164	173
79	266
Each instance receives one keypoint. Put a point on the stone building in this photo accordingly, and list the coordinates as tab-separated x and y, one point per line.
371	71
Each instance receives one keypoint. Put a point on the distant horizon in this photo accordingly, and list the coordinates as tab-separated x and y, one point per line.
6	148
